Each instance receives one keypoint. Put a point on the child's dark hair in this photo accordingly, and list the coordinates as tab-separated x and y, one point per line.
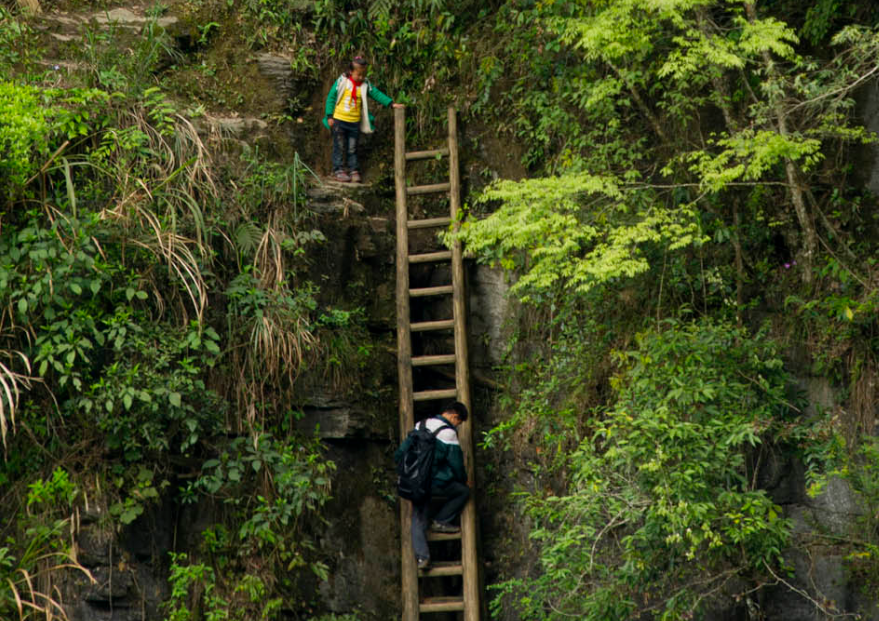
360	61
458	408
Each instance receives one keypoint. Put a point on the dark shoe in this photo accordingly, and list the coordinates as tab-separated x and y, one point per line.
423	563
440	527
341	175
355	177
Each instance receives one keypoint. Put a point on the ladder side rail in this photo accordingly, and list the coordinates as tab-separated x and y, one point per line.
404	357
472	606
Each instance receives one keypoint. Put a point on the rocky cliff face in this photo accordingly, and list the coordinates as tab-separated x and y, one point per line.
361	541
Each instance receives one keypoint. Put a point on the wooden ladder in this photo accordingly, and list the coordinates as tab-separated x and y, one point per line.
467	567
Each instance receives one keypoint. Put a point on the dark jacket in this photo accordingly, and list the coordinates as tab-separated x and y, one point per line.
448	459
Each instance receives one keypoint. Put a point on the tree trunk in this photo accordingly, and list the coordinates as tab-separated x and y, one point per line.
740	263
732	126
798	197
793	174
639	101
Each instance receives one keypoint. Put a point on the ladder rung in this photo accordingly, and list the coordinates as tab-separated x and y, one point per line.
443	568
432	536
441	604
423	326
428	223
425	155
428	395
424	361
433	188
425	291
444	255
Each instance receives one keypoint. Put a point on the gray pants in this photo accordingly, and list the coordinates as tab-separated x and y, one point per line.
420	522
456	496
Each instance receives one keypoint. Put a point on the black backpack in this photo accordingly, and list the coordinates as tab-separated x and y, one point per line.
415	468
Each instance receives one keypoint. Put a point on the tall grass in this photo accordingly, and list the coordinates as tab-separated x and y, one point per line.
11	384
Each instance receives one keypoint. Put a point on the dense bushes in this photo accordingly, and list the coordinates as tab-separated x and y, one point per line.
150	323
662	507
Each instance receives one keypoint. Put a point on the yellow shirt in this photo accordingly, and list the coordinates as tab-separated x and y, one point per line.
348	108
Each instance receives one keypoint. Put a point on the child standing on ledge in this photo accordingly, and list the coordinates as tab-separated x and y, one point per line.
347	114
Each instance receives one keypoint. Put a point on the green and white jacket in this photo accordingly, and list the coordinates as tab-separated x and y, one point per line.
448	459
365	91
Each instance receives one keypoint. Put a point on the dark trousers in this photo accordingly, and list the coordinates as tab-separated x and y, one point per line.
455	497
345	137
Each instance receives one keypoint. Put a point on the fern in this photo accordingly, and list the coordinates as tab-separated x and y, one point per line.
380	10
247	237
435	5
431	7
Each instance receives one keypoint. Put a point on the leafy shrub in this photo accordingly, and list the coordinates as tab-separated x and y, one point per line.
28	563
57	490
292	483
132	72
274	490
195	595
662	503
24	132
16	44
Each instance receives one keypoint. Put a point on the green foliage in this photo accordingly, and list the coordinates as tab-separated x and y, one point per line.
662	494
819	19
18	573
139	386
292	481
165	308
197	581
276	320
195	595
129	73
268	185
748	156
271	18
542	230
28	562
58	490
274	490
128	369
837	322
854	468
553	388
141	492
182	578
153	398
15	48
106	271
862	471
643	72
17	44
24	133
348	348
415	47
